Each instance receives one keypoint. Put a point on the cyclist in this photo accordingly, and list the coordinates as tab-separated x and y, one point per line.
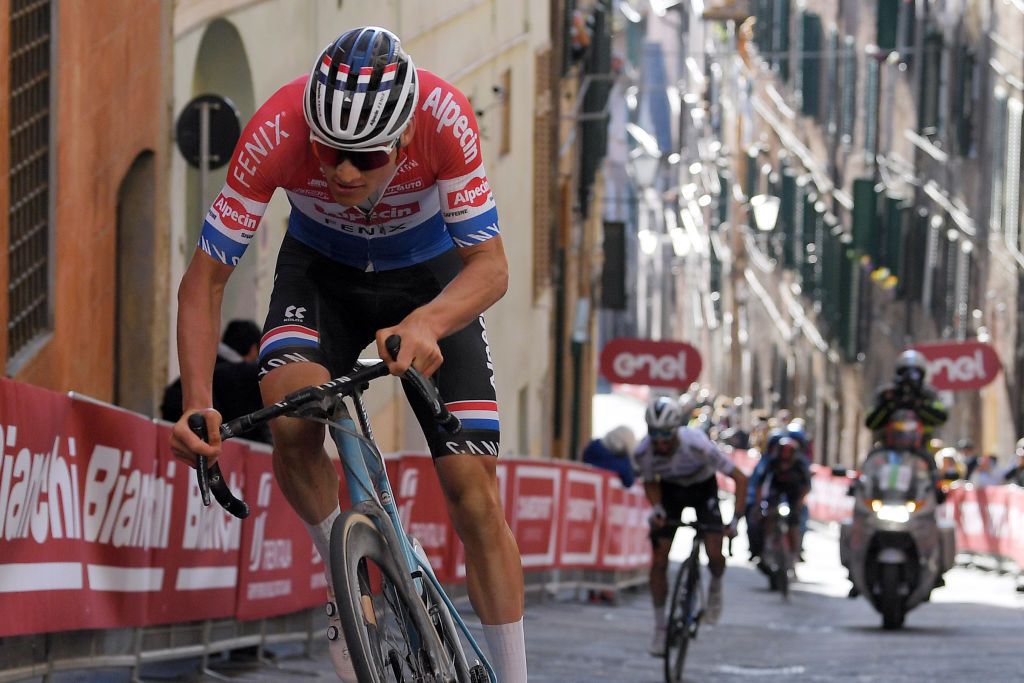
393	231
678	466
786	475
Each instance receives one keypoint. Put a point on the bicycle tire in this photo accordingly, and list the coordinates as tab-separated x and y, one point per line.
680	615
782	565
389	634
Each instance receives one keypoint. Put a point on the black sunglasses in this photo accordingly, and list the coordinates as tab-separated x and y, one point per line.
364	161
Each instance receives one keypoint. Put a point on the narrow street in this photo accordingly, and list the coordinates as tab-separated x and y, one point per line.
971	630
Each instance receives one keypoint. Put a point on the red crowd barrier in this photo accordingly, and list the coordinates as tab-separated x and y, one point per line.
96	513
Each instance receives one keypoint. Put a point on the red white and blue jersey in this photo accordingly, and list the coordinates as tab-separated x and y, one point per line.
438	199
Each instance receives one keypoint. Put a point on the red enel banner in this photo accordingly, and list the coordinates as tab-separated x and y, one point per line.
654	363
960	366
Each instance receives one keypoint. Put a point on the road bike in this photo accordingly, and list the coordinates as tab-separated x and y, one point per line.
398	622
686	609
778	556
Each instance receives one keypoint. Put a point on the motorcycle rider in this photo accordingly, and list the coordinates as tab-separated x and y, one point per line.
678	466
908	390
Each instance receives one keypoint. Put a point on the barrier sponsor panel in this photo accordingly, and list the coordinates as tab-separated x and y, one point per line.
828	500
989	520
422	508
536	494
280	571
200	556
582	516
95	511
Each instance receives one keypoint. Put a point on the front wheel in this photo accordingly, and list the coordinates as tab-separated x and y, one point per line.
890	601
680	625
389	634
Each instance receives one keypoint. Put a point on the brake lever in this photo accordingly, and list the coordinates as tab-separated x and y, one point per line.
210	479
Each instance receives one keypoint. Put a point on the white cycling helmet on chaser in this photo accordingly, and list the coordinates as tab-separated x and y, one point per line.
362	91
663	413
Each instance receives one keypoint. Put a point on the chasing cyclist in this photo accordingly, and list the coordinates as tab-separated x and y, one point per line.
678	466
393	231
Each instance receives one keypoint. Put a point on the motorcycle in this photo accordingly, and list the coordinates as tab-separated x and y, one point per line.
894	548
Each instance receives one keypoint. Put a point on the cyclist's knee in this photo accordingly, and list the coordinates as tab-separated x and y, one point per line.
296	439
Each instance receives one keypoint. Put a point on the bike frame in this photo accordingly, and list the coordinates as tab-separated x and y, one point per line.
365	471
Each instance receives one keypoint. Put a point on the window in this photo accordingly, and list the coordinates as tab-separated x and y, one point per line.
965	101
28	287
888	24
505	145
810	64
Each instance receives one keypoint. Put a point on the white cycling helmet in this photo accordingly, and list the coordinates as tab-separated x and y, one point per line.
362	91
663	413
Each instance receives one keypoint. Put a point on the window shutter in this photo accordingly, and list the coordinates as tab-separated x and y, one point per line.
929	116
787	215
999	122
1012	179
849	95
544	163
849	277
888	21
965	100
870	107
810	63
780	41
833	96
28	246
865	217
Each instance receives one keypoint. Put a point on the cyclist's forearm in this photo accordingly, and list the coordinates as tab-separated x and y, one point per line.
199	303
653	492
482	281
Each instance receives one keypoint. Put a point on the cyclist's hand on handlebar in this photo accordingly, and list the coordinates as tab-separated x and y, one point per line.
657	518
419	348
185	445
730	530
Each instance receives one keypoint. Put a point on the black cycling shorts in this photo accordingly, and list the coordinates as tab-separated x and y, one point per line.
324	312
702	497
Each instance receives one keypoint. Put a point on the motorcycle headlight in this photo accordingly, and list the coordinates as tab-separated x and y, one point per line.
783	510
894	513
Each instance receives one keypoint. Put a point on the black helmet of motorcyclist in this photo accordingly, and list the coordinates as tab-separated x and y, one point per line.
904	431
911	368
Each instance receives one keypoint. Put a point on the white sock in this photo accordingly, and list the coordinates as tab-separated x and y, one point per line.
659	618
507	644
321	535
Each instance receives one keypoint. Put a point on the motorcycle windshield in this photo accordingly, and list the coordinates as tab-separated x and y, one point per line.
895	476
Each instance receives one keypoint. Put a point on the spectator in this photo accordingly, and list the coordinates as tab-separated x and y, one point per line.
968	455
986	472
951	470
612	452
1015	475
236	388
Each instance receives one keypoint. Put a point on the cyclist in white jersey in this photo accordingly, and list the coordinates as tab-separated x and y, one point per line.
678	467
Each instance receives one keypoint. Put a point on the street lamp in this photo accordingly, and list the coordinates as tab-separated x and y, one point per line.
765	208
